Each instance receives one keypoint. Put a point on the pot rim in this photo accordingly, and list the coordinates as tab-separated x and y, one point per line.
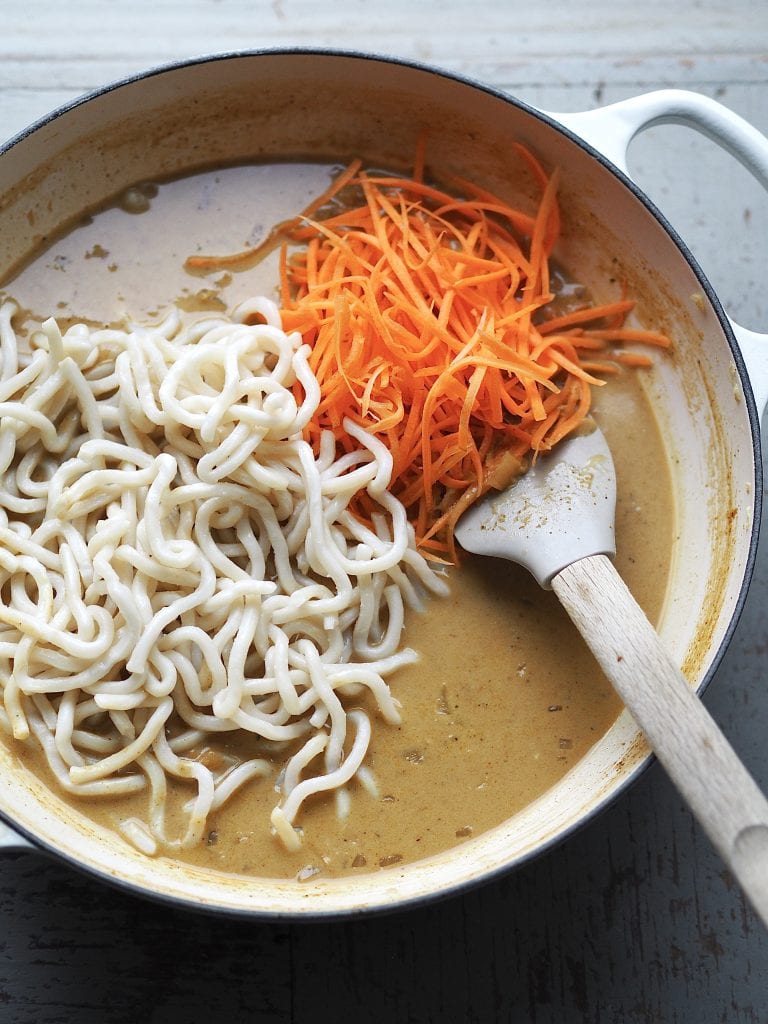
547	845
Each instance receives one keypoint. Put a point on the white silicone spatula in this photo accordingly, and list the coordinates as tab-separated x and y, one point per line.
557	521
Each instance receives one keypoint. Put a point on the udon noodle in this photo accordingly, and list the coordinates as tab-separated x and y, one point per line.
176	563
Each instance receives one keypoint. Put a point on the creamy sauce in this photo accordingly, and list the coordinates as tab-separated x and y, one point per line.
505	699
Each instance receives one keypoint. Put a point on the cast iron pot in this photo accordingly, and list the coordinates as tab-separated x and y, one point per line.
708	394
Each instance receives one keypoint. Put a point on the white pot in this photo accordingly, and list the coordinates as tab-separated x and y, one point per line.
708	392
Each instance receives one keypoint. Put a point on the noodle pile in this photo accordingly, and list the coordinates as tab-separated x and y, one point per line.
176	563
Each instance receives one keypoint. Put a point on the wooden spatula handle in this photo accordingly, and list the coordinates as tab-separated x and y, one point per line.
717	787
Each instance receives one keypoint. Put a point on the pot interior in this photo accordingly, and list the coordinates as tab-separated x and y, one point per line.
283	106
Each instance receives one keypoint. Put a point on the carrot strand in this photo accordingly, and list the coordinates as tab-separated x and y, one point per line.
431	323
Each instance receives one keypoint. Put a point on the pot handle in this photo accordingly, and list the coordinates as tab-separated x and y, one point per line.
11	841
610	130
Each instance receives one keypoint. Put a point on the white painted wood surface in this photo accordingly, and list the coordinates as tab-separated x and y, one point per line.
633	919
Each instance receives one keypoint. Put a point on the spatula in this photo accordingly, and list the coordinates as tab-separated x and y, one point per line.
557	520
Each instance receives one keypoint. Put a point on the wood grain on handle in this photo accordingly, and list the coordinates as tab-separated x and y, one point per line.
717	787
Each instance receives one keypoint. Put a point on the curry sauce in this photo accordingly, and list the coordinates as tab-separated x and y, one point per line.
505	698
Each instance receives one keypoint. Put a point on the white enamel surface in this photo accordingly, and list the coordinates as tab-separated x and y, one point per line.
698	392
611	129
754	349
10	840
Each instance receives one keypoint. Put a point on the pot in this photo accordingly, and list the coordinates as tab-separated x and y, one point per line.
707	394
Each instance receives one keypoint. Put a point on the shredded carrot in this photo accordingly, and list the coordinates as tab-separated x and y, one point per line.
432	323
250	257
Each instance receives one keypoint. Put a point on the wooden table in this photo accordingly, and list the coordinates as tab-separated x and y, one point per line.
632	920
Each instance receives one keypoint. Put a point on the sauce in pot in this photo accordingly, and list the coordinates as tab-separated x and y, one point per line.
506	698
